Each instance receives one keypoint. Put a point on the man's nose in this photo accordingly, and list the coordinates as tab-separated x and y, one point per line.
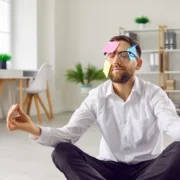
117	59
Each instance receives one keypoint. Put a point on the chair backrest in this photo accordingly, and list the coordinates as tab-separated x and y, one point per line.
40	81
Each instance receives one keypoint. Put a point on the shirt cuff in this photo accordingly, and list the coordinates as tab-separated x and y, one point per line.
32	137
43	138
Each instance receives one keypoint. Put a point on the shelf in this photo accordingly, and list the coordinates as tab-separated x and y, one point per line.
139	30
172	50
178	110
172	72
172	91
148	72
156	50
150	50
172	29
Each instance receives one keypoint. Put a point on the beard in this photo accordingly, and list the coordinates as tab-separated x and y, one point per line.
120	77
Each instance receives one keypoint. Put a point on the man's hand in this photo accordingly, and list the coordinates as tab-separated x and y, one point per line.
17	119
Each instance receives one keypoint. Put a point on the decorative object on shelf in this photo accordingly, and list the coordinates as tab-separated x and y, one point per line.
170	40
3	59
156	55
170	84
154	61
142	21
84	76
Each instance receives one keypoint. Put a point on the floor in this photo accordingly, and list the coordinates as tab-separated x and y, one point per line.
21	159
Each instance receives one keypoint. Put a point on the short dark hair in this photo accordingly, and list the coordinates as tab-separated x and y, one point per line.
128	40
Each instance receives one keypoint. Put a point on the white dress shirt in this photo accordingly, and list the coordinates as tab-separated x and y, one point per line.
132	131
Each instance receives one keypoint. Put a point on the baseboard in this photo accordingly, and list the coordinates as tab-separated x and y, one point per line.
70	109
55	111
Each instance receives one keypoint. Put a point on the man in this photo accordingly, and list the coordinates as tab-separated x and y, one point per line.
132	115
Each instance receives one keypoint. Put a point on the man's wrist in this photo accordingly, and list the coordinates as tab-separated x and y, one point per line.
36	130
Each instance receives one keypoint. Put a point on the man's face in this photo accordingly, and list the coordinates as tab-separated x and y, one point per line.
122	69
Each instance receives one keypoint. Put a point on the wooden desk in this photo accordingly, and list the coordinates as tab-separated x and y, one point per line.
16	75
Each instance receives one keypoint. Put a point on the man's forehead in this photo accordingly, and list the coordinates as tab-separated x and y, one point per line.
123	45
116	45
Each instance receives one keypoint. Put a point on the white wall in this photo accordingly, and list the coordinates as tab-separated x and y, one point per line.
45	31
46	40
52	45
24	30
92	23
61	51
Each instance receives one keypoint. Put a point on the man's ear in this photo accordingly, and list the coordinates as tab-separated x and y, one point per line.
139	63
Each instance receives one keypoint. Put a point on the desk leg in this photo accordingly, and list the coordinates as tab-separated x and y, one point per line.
20	93
1	86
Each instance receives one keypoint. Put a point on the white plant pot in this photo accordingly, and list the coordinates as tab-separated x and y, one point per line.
85	88
141	26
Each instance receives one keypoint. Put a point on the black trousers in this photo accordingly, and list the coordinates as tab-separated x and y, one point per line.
77	165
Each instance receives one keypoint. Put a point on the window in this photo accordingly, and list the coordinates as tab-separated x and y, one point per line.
5	26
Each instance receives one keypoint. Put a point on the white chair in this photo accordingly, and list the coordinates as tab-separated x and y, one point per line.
38	85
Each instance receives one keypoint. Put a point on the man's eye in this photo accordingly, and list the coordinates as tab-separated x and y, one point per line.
111	55
124	56
131	54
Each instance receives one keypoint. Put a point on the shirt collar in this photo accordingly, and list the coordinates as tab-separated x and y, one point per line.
136	88
110	89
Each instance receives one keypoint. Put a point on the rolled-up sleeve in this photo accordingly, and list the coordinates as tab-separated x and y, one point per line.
164	110
80	121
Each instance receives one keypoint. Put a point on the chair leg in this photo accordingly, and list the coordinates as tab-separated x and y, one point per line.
43	106
49	101
37	108
26	100
29	104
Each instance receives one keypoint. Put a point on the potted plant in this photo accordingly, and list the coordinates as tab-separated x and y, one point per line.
84	76
142	21
3	59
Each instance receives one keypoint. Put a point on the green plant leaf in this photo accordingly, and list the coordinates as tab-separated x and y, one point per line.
4	57
75	75
91	73
142	19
